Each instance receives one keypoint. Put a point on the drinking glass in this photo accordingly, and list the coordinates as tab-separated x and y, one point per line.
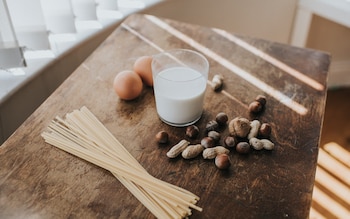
180	79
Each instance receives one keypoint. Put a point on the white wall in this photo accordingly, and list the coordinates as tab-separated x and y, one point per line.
268	19
327	35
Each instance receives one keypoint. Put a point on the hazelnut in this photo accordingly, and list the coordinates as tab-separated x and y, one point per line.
214	135
243	147
162	137
265	130
261	99
230	142
192	131
207	142
255	107
217	82
222	161
212	125
221	118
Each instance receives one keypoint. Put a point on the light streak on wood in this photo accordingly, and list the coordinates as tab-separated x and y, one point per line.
293	72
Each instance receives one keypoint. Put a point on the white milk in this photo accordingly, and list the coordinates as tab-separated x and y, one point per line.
179	94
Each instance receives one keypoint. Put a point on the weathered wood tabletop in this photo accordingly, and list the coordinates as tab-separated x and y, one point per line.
38	180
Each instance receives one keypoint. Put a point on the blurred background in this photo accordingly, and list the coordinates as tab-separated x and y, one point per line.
43	41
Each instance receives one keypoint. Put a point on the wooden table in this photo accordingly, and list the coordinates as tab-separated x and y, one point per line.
38	180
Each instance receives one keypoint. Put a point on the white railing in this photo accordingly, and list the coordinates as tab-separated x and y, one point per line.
334	10
35	32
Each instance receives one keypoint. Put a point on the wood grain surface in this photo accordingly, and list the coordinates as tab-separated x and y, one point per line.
38	180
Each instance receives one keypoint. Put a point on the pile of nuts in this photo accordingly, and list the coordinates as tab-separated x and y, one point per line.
244	135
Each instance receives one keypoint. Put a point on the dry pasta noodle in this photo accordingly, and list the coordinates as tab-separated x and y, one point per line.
84	136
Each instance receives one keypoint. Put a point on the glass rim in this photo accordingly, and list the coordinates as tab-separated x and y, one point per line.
170	53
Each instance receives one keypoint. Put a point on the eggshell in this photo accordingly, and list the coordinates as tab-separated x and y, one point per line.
127	85
142	67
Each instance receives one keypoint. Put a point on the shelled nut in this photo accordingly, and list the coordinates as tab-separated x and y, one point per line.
211	126
268	145
259	144
265	130
239	127
254	130
256	143
261	99
211	153
177	149
255	107
230	141
243	147
214	135
222	161
162	137
192	131
221	118
207	142
217	82
192	151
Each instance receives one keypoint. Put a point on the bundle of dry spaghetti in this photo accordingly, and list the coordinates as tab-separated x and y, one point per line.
84	136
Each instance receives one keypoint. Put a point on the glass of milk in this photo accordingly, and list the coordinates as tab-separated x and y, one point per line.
180	80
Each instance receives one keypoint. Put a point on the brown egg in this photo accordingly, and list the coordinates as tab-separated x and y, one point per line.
142	67
127	85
